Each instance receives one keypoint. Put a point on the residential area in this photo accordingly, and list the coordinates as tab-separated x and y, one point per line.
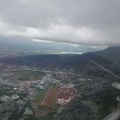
29	92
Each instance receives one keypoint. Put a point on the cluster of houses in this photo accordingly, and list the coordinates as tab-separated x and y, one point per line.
6	98
65	96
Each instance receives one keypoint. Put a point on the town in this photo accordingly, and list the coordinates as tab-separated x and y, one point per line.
31	91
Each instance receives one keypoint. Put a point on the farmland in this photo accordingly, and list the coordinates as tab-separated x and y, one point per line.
50	97
23	75
45	100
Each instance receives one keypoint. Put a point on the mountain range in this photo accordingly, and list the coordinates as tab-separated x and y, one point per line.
11	46
21	46
111	53
103	58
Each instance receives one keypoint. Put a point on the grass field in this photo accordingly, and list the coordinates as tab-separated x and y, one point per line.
50	98
45	100
47	96
26	75
40	96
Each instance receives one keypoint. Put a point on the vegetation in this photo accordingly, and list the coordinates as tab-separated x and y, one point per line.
17	114
6	92
49	102
106	100
41	94
49	116
111	53
29	75
76	111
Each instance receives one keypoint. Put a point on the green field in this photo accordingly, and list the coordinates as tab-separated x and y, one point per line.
40	96
42	93
89	103
50	105
47	117
30	75
25	75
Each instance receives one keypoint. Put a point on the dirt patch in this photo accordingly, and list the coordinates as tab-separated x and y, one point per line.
46	101
39	112
50	97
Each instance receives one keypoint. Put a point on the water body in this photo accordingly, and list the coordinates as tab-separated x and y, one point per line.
70	53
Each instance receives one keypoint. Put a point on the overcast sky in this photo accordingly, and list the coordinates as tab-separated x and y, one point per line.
87	22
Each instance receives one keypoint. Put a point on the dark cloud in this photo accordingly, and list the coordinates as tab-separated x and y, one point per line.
91	22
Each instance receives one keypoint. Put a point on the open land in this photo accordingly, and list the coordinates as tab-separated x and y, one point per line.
46	100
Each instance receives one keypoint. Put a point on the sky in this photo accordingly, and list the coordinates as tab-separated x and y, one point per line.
83	22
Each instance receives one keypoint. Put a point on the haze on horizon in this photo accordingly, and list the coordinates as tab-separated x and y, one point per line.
83	22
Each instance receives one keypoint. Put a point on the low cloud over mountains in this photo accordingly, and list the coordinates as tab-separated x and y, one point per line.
88	22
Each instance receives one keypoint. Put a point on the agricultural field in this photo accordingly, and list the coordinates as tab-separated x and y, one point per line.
40	96
45	100
50	98
23	75
30	75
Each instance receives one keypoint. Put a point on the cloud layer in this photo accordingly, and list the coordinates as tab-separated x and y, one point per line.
87	22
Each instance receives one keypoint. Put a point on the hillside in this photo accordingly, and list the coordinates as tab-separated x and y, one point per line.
62	61
94	81
111	53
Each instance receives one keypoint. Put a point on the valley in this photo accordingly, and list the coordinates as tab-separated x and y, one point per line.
31	86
